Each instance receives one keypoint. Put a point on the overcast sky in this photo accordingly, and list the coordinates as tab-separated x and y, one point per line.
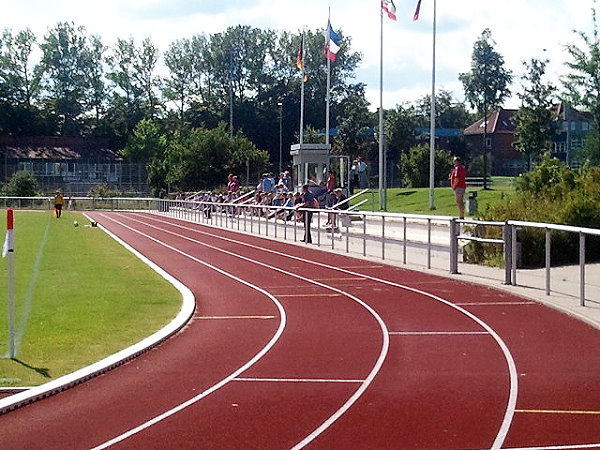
522	29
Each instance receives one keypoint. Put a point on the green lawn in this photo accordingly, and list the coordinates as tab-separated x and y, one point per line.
80	296
416	201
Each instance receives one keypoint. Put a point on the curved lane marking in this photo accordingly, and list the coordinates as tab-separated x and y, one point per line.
384	331
513	377
224	381
188	304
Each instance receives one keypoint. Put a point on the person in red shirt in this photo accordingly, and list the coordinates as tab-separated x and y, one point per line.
458	183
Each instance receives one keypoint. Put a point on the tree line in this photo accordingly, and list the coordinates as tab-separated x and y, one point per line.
244	82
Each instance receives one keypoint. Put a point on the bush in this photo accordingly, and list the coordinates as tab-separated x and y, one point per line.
551	193
103	191
21	184
415	167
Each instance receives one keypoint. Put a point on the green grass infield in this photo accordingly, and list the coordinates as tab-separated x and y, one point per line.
79	297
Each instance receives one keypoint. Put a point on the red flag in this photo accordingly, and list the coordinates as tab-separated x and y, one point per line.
416	16
389	7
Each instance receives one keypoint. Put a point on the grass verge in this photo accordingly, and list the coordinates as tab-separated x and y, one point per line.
416	200
79	295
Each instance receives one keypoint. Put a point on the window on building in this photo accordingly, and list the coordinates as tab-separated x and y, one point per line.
27	166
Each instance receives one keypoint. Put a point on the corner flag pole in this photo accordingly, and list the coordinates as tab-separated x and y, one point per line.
9	250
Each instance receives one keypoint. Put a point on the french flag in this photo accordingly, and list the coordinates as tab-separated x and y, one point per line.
332	43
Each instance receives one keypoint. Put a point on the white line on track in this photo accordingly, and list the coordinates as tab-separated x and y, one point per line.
435	333
512	370
557	447
297	380
308	295
496	303
233	317
224	381
327	423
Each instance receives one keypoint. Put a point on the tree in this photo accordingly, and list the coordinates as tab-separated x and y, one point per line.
582	83
70	66
19	83
202	159
146	143
21	184
534	117
487	85
129	96
449	114
415	166
355	130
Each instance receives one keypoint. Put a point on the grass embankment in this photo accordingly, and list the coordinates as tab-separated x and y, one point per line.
79	295
416	201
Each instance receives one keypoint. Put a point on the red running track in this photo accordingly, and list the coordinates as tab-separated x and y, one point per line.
291	347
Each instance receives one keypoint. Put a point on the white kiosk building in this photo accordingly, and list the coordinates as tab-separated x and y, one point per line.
309	160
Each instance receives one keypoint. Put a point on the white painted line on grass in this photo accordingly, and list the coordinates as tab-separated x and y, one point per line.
69	380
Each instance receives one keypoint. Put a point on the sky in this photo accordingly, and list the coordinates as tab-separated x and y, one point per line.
521	30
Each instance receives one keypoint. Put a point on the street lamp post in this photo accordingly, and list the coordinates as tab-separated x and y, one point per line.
280	104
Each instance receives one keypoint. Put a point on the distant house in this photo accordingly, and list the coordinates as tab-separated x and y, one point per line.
73	164
571	128
499	134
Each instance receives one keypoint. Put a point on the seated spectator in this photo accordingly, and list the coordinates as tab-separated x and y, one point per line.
339	204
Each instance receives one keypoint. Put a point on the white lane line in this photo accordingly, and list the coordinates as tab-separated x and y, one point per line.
384	331
557	447
308	295
297	380
512	370
495	303
225	380
234	317
557	411
436	333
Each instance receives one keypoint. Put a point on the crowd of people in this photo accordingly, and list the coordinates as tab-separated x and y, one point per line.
273	198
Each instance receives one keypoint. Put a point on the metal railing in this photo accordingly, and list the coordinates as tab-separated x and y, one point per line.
81	203
420	240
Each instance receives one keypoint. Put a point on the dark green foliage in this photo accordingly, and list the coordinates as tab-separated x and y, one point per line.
21	184
415	167
552	193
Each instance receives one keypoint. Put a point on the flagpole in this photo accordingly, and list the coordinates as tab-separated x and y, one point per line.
302	92
327	97
382	197
432	120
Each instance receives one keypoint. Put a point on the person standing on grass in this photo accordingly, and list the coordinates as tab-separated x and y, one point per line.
458	183
59	201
